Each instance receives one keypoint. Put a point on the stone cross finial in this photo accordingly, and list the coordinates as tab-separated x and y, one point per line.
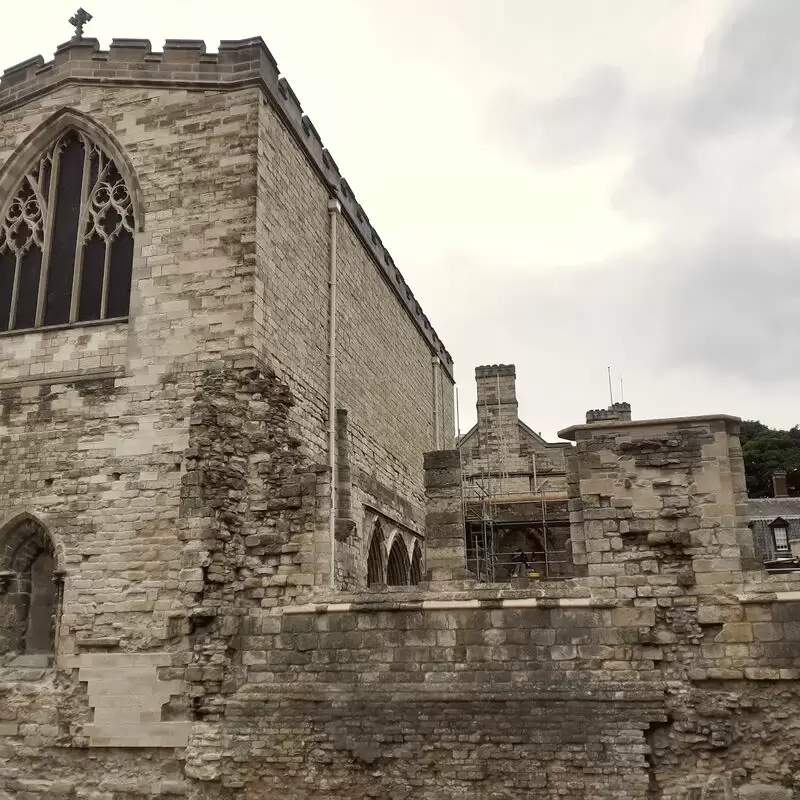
78	20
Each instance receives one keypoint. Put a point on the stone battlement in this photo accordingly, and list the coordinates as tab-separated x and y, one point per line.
615	412
237	64
490	370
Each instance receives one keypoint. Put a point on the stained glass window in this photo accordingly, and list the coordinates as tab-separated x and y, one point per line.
66	239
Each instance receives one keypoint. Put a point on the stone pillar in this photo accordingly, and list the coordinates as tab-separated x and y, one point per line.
660	497
444	517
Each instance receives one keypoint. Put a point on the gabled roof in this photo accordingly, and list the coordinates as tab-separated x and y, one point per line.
538	439
525	429
769	508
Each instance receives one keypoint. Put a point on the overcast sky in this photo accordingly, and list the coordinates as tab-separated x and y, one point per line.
565	185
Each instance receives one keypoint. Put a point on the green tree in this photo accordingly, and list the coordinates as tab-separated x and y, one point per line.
766	450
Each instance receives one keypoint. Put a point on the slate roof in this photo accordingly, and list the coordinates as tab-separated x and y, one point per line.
768	508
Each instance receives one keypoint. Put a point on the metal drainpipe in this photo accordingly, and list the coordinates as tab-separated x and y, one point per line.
334	209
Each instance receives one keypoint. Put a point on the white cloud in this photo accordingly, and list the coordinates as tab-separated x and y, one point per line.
564	185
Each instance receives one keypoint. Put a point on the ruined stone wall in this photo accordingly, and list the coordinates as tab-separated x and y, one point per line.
458	701
632	683
659	498
95	419
96	426
659	673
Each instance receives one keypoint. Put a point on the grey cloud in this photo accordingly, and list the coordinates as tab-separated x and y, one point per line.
746	77
735	305
749	68
734	120
715	289
580	124
727	304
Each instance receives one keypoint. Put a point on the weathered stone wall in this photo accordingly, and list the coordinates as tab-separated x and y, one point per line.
95	447
384	367
414	743
638	684
661	497
175	459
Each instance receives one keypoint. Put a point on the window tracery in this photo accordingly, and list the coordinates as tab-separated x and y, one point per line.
66	239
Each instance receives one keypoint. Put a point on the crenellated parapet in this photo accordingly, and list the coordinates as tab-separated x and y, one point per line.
615	412
185	63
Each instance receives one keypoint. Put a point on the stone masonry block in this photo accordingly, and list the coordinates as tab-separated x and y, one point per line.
633	617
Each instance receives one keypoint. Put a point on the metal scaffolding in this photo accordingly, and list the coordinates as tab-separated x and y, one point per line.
481	492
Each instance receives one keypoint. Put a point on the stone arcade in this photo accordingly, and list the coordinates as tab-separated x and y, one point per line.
201	476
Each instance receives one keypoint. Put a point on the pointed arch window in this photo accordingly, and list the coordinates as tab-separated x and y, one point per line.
416	565
375	558
397	567
66	239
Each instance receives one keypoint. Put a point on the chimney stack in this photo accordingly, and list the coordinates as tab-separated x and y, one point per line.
780	487
498	412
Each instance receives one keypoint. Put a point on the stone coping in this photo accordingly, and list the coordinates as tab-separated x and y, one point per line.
185	64
571	689
470	604
467	589
751	598
572	430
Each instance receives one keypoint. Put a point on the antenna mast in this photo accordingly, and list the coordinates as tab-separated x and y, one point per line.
610	390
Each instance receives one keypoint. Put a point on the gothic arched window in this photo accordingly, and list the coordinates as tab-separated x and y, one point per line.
66	239
416	565
375	558
398	567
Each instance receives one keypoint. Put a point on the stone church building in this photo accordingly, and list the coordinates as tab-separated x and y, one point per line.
199	327
233	550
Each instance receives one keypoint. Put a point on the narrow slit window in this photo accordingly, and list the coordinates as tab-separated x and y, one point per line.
66	239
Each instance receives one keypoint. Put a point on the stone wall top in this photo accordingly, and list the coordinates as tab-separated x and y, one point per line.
573	431
490	370
184	63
